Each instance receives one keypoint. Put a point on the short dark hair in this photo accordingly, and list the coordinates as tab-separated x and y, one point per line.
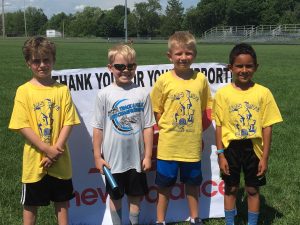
242	48
38	45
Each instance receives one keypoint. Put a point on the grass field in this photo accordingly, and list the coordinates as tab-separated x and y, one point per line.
279	70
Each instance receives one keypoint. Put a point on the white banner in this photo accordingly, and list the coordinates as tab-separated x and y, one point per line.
90	206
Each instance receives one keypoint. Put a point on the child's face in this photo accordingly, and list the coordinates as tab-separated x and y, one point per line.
41	66
123	69
243	68
182	57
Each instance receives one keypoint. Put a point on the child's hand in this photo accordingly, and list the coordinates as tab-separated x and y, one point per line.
99	163
54	152
223	164
46	162
262	167
146	164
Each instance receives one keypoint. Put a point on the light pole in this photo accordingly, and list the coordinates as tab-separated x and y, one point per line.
125	22
3	22
25	25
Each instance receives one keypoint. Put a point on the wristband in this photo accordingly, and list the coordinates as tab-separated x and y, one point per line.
220	151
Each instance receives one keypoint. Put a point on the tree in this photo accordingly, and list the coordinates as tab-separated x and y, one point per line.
207	14
173	19
112	23
191	21
14	23
244	12
36	21
59	22
85	23
147	17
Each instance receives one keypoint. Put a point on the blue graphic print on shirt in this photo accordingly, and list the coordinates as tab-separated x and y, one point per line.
244	124
183	118
125	116
45	118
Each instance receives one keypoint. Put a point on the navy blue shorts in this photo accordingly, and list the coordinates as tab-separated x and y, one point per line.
166	173
130	183
47	189
240	155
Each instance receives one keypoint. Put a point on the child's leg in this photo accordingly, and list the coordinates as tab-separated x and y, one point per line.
162	203
253	204
116	211
61	212
191	176
134	209
192	195
229	203
29	215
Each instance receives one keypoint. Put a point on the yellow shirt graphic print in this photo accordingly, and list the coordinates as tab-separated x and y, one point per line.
183	118
243	116
44	110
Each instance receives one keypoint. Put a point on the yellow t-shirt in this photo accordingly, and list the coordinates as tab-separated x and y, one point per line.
243	114
181	103
45	110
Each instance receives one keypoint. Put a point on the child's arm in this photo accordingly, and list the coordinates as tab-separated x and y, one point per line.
157	116
97	143
59	145
148	140
52	152
263	163
63	137
223	164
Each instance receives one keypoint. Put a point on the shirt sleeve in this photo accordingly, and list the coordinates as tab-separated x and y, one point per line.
19	118
206	101
217	110
71	115
98	113
157	98
271	113
148	113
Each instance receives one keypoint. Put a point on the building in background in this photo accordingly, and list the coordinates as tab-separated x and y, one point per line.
53	33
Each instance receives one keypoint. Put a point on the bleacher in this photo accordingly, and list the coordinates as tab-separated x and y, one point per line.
251	33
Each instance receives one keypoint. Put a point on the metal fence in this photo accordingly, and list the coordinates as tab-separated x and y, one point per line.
251	33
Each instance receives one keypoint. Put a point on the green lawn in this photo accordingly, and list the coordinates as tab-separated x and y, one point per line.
278	70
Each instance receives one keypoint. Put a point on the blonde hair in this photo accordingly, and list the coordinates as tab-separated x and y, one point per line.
183	39
38	46
122	49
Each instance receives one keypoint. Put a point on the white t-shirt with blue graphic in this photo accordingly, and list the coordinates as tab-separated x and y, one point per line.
123	113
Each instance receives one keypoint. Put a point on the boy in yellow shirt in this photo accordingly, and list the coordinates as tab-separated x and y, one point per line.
244	113
179	97
44	114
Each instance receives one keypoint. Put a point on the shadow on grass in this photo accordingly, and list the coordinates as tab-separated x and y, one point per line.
267	213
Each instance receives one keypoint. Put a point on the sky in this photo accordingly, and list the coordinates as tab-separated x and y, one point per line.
51	7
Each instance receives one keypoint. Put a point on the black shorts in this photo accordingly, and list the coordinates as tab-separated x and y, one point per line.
240	155
130	182
47	189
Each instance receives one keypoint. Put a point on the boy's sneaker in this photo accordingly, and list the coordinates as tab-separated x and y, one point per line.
157	223
198	221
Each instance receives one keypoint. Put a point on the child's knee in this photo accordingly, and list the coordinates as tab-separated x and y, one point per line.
252	191
231	190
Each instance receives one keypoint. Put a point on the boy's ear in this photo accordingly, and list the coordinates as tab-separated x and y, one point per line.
109	66
28	64
169	56
256	67
229	66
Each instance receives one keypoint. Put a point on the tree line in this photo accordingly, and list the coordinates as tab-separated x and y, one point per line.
148	19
